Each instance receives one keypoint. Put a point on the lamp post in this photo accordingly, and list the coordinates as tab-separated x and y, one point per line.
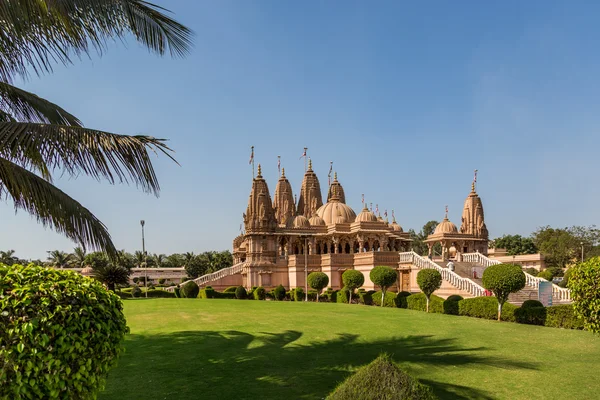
581	251
142	222
305	237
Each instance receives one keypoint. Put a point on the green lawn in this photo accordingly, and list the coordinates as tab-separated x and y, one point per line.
231	349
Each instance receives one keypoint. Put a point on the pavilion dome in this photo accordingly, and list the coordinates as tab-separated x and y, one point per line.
315	220
445	227
366	216
299	221
335	212
396	227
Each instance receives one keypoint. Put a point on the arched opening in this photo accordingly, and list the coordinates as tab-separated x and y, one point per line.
339	248
356	247
367	247
296	249
347	249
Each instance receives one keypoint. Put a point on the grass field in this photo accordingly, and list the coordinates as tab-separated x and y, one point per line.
231	349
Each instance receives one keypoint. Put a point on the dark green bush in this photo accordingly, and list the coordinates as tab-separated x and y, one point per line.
230	289
190	290
531	271
485	307
365	297
384	277
297	295
343	295
160	293
563	316
418	302
318	280
531	303
240	293
388	301
331	295
451	304
381	379
177	291
401	299
546	274
259	293
123	295
352	280
209	293
162	281
531	315
312	295
223	295
279	293
183	280
136	291
60	333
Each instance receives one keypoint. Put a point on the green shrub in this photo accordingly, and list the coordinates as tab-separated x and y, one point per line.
531	303
503	279
60	333
401	299
312	295
365	297
384	277
485	307
123	295
260	293
162	281
331	295
429	280
381	379
545	274
160	293
183	280
563	316
451	304
136	279
190	290
343	295
209	293
531	315
240	293
279	293
583	282
230	289
318	281
352	279
297	295
418	301
389	299
177	291
532	271
136	291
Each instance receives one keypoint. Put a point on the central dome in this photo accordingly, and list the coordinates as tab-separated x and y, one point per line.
445	227
335	212
366	216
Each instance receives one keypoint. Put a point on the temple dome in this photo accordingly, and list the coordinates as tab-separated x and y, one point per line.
315	220
299	221
335	212
366	216
396	227
445	227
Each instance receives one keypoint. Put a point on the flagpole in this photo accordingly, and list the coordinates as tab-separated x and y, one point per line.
253	175
279	164
305	159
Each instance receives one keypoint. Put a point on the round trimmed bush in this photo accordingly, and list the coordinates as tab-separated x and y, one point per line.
136	291
429	280
279	293
162	281
389	299
384	277
451	304
190	290
352	279
74	316
401	299
503	279
230	289
531	304
240	293
259	293
318	281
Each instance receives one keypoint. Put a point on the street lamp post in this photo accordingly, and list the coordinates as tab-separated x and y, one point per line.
142	222
305	237
581	251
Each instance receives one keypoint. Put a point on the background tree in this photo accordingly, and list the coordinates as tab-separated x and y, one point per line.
158	260
318	281
429	280
8	257
352	279
502	280
125	259
562	246
584	282
383	277
111	275
418	239
38	137
58	259
515	245
78	257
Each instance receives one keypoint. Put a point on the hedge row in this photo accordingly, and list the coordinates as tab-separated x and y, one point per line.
561	316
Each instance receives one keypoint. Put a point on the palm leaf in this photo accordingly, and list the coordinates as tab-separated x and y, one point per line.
117	158
27	107
52	207
38	33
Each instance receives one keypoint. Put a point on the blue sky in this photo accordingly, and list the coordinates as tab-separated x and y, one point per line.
406	99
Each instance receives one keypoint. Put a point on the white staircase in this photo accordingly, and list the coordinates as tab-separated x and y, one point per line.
449	276
559	295
205	279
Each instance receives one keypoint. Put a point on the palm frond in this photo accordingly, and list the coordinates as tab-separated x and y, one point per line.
117	158
38	33
27	107
52	207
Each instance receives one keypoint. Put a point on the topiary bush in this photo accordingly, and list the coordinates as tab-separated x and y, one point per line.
136	292
389	298
381	379
343	295
160	293
451	304
429	280
259	293
503	279
401	299
230	289
297	294
583	282
352	279
563	316
486	307
331	295
531	315
318	281
60	333
162	281
384	277
240	293
210	293
190	290
365	297
177	291
279	293
531	303
418	301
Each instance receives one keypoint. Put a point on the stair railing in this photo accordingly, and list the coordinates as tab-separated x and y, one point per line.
222	273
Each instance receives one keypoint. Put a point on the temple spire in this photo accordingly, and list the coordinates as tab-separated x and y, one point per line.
259	175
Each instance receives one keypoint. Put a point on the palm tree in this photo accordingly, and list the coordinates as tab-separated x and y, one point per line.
58	259
78	257
140	260
111	275
37	137
188	258
158	260
8	257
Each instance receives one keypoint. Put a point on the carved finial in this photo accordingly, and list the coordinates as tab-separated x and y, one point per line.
393	216
309	164
335	176
446	217
283	172
473	186
259	172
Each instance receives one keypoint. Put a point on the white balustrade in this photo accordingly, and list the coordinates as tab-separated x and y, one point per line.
222	273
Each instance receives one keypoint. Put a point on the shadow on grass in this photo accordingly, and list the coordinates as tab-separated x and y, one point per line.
233	364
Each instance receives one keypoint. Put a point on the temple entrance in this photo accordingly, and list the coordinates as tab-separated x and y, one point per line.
404	281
